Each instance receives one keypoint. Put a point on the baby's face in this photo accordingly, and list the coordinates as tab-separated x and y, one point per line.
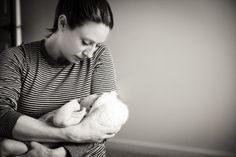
88	101
103	98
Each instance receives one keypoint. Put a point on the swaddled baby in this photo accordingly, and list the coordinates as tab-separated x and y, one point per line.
107	109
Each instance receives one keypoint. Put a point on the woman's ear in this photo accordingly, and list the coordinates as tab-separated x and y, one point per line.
62	22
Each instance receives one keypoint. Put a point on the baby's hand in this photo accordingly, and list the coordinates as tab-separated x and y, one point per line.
69	114
76	117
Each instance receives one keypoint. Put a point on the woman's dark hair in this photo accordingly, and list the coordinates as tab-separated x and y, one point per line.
78	12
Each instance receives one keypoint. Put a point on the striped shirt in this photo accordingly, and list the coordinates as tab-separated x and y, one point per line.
33	84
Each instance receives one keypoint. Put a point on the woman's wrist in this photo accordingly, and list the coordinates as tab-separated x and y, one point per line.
74	134
68	134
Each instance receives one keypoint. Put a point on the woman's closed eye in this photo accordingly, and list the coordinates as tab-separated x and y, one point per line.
86	43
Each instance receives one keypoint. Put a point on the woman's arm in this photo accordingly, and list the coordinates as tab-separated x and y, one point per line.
104	75
12	123
30	129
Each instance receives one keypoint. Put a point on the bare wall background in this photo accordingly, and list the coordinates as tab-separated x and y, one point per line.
176	67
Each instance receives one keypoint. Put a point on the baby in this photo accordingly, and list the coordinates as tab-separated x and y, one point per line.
108	109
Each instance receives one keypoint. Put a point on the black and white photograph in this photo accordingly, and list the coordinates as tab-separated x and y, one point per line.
117	78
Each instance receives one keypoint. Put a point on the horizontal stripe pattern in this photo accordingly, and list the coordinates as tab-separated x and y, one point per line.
36	86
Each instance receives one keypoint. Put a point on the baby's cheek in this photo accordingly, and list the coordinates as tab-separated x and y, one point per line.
88	101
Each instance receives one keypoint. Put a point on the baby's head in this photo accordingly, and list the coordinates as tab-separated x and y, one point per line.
110	109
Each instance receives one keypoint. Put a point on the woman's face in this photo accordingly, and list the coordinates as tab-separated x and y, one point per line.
81	42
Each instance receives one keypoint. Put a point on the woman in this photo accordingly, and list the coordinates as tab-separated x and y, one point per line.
41	76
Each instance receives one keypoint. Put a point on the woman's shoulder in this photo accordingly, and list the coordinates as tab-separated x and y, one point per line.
13	53
20	53
28	47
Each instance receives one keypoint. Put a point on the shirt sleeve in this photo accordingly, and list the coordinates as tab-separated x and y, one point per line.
104	76
11	62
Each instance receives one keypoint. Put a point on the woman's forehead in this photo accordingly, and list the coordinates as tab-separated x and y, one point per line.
95	32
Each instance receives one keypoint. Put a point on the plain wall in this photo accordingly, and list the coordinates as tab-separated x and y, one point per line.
176	68
37	17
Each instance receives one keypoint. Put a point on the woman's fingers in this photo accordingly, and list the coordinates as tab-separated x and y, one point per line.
109	135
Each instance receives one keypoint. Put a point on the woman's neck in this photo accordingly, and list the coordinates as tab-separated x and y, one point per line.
52	47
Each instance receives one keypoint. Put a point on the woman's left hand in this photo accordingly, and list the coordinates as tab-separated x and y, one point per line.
39	150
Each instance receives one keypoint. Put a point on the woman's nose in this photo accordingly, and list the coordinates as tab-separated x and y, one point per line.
89	51
94	47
